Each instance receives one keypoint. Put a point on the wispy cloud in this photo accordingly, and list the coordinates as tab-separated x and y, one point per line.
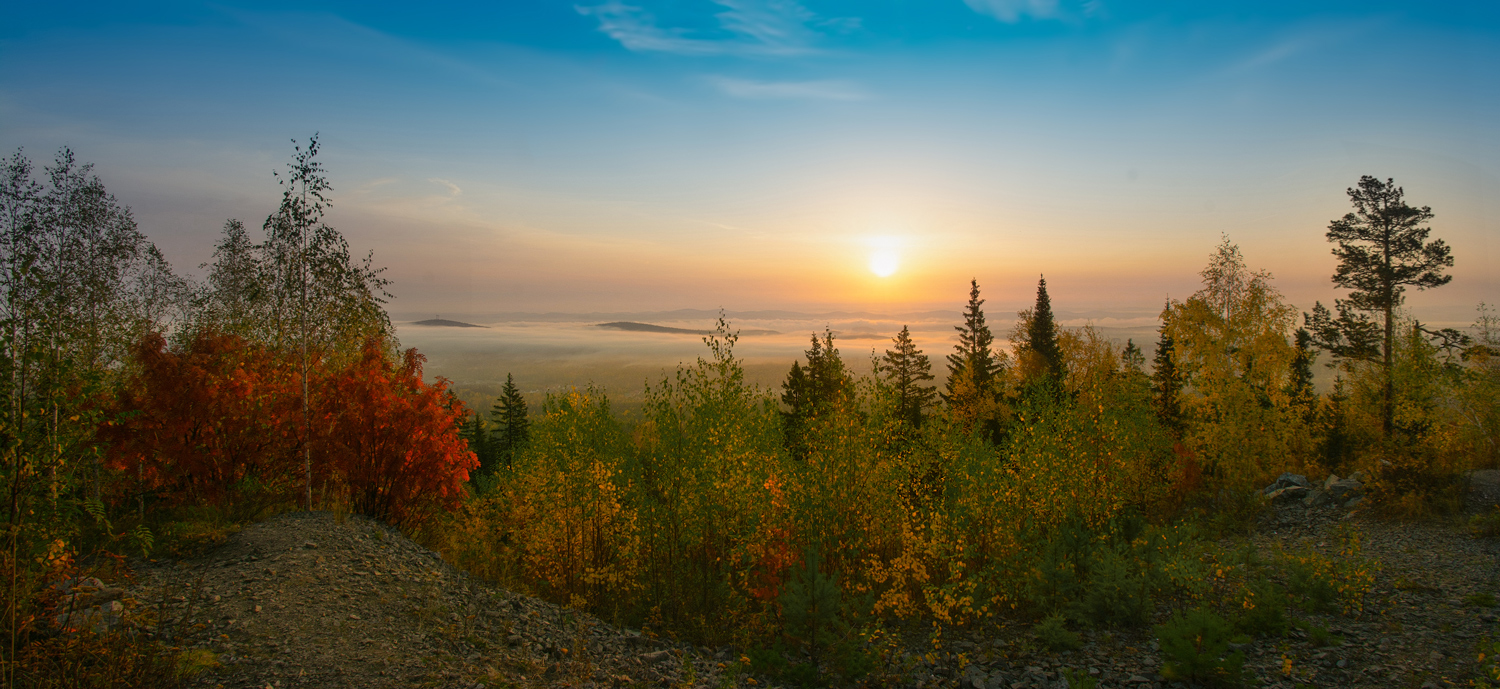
1305	39
750	27
1011	11
826	89
453	190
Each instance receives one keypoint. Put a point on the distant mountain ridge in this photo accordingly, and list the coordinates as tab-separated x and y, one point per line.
632	326
443	322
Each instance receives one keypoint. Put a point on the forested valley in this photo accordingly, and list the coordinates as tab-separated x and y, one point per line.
1065	482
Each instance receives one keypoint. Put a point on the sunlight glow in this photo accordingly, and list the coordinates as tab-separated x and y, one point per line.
884	262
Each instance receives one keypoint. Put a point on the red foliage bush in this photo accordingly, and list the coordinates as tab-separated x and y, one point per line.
392	440
195	423
205	423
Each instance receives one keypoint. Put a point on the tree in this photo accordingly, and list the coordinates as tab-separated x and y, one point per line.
1382	250
809	392
299	289
1230	344
1132	359
209	422
1166	381
973	351
512	427
1300	387
392	439
905	367
1037	347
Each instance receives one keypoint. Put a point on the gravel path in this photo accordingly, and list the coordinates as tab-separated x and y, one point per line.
311	600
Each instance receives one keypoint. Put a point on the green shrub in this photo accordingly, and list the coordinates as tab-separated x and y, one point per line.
1314	592
1320	637
1196	647
1116	592
1052	633
1263	610
1482	599
1078	679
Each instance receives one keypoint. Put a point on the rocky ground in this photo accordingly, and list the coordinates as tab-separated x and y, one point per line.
314	600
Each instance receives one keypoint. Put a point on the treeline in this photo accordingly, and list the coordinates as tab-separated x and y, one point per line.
144	410
1062	478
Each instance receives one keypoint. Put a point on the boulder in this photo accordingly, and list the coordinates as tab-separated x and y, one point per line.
1288	495
1287	480
1330	480
1344	489
1316	498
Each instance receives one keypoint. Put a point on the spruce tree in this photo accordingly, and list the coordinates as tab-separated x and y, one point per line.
973	349
1041	334
1166	380
904	368
810	391
1132	360
513	428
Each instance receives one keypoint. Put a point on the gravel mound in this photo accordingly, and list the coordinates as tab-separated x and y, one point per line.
311	600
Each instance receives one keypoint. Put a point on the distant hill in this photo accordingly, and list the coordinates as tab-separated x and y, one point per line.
649	328
447	323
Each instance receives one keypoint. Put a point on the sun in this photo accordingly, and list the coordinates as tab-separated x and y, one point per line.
885	262
885	255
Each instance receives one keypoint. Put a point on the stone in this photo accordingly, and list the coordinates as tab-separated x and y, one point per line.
1316	498
1289	479
1344	489
1332	478
1291	494
1353	503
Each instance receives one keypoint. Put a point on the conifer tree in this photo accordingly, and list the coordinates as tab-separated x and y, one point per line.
1166	381
512	428
1132	360
973	351
810	391
1042	334
1301	384
1382	249
905	367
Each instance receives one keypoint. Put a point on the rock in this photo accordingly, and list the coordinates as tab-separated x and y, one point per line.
1288	495
1332	478
1316	498
657	657
1357	476
1353	503
1344	489
1289	479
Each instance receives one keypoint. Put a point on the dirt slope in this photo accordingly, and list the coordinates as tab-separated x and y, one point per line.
309	600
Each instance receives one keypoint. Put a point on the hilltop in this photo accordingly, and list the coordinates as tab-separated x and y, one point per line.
315	600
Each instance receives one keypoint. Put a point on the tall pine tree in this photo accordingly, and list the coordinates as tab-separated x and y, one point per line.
972	356
1382	250
1166	380
512	427
1035	340
808	392
905	368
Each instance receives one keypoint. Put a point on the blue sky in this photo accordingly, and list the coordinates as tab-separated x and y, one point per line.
659	154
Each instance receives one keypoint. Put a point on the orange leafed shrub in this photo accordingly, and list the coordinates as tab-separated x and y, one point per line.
391	439
204	418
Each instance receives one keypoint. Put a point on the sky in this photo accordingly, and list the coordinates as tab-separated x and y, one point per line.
872	156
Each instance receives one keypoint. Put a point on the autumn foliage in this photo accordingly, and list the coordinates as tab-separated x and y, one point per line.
391	440
199	422
218	420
